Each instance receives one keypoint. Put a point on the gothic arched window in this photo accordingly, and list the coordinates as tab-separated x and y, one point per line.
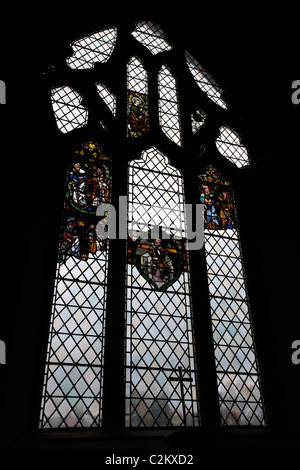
74	365
135	127
235	356
159	318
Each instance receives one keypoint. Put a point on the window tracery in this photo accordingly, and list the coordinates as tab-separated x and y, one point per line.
229	144
67	108
108	97
151	36
198	119
160	340
205	81
95	47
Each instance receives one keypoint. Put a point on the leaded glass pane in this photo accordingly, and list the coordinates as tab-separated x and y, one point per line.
73	380
205	81
229	144
95	47
159	335
168	105
68	111
108	97
198	119
137	98
151	36
240	396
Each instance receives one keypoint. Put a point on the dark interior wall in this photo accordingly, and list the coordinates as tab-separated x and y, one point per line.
278	262
245	51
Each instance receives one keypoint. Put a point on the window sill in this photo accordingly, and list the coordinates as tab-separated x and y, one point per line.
135	442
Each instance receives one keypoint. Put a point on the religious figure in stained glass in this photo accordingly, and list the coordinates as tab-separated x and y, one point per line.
159	335
159	260
73	380
239	389
137	115
77	183
216	195
88	186
69	241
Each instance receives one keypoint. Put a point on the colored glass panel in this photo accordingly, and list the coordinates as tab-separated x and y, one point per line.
73	380
159	335
217	197
238	379
137	100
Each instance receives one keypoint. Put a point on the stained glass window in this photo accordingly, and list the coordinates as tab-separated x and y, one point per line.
168	105
73	381
160	368
96	47
236	363
205	81
229	144
151	36
159	333
137	98
68	111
